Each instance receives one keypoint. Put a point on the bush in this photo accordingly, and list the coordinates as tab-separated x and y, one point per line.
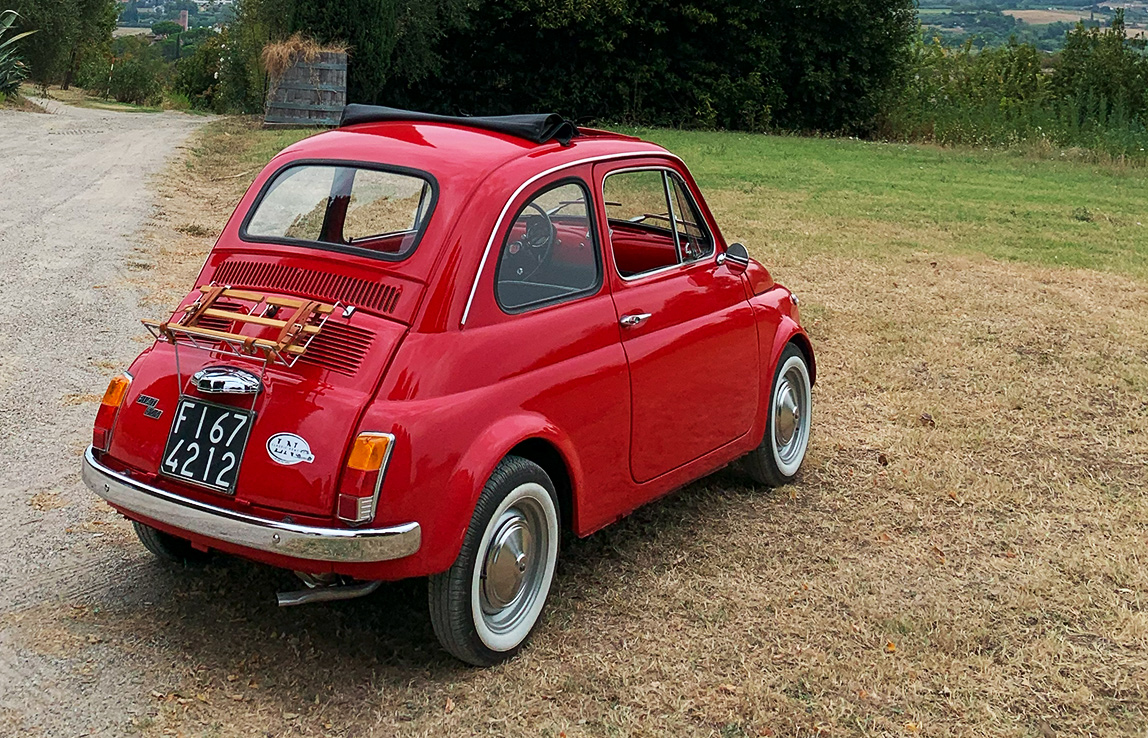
198	76
1095	97
960	96
137	72
1102	77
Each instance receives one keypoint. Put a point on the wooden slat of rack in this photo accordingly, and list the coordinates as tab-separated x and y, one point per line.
260	297
256	319
261	343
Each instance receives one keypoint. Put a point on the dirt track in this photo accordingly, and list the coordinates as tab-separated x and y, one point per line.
73	188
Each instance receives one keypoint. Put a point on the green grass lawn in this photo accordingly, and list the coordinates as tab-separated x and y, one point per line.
847	196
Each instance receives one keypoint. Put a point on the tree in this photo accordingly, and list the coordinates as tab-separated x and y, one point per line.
742	64
67	29
385	38
96	21
166	28
1102	73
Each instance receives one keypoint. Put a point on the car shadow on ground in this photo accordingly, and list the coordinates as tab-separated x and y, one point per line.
221	625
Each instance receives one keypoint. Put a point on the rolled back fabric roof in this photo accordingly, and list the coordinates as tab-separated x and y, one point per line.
539	127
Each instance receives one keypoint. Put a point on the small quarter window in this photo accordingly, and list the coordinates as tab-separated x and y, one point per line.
550	253
693	238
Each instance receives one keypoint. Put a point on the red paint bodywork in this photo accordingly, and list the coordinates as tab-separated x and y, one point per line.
620	416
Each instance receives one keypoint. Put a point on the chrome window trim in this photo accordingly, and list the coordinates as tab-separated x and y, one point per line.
527	183
669	206
702	225
713	241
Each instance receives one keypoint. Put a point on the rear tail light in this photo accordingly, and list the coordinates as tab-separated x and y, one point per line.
109	409
366	465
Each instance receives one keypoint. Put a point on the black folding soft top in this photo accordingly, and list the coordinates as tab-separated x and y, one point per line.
539	128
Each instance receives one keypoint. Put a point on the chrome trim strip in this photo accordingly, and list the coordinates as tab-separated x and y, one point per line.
341	545
527	183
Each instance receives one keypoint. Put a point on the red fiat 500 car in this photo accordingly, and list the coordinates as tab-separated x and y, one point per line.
428	346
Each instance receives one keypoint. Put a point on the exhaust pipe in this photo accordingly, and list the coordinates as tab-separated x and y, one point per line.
327	593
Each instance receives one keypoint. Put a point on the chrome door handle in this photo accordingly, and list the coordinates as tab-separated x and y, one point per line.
629	321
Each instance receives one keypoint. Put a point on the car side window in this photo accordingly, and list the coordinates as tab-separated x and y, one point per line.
653	221
550	253
693	237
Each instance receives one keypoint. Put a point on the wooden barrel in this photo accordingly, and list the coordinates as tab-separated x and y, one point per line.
309	93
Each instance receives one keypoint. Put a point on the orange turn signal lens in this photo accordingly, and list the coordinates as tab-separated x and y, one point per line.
370	451
117	390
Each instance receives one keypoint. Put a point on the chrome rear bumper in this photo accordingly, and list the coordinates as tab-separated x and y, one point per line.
343	545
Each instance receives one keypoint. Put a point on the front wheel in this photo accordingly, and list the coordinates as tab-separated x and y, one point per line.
485	606
776	460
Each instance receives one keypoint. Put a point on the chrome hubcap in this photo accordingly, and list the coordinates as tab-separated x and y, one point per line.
513	568
789	410
506	562
786	419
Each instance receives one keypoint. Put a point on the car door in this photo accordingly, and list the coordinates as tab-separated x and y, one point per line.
686	326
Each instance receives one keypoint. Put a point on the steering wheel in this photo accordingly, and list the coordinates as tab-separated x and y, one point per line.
526	256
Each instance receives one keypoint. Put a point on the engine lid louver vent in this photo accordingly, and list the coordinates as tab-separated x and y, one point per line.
364	294
221	324
338	347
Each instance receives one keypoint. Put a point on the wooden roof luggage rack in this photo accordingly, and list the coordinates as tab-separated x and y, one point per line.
302	321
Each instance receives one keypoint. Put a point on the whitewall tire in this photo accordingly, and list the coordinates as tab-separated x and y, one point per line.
486	605
777	459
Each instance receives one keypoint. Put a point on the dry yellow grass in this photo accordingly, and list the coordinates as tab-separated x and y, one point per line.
279	56
1044	17
963	556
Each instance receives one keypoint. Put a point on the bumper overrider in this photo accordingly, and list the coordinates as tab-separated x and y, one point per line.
343	545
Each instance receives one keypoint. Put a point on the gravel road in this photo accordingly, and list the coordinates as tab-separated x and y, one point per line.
73	190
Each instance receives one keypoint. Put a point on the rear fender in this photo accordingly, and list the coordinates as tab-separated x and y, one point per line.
466	483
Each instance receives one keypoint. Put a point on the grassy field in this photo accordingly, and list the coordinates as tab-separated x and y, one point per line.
964	553
1044	17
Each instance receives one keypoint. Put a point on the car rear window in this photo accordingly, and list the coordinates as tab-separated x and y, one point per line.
350	207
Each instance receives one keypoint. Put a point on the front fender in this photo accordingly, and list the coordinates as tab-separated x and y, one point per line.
790	332
775	319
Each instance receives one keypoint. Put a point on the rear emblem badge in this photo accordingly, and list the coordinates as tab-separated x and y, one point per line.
150	409
288	449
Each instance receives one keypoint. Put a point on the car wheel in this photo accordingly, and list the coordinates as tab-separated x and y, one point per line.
168	547
485	606
776	460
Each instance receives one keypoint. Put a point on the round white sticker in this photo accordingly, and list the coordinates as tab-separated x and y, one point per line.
288	449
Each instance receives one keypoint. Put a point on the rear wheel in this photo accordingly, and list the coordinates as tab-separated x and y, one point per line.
776	460
168	547
486	605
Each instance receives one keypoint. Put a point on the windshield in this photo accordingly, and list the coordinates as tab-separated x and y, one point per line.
382	212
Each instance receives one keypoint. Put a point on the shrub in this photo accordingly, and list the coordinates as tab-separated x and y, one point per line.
1094	95
198	76
137	71
1102	77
